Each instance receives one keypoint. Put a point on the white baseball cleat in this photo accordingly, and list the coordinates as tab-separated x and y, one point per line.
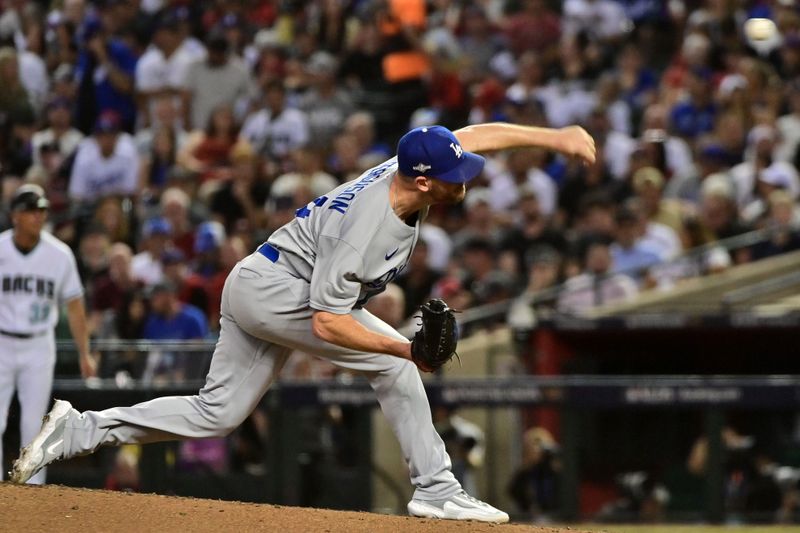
460	506
46	447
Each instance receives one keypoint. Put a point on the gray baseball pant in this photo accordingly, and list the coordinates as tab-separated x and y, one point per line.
260	326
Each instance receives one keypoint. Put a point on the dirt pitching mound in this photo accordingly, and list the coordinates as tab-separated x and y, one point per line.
66	510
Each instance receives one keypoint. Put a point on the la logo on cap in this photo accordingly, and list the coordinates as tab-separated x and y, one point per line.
457	149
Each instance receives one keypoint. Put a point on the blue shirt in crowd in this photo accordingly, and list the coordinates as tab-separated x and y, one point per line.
189	323
632	260
106	95
689	120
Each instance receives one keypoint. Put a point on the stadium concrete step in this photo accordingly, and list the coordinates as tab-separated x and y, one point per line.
773	282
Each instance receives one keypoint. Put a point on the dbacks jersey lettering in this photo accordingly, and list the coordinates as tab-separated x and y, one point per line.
34	285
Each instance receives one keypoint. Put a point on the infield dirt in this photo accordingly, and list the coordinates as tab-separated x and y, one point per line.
66	510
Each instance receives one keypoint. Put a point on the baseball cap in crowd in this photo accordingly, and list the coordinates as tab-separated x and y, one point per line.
29	197
156	226
761	133
321	62
648	176
172	256
108	122
715	153
702	73
182	13
168	21
59	102
161	286
268	39
216	42
433	151
717	185
424	116
731	83
231	20
209	237
776	176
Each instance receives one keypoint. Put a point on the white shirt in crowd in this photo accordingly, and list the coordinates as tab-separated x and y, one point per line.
34	285
276	135
195	48
744	180
147	269
789	128
566	103
563	103
155	72
505	192
679	157
584	292
440	246
619	117
95	176
661	240
617	152
212	86
34	77
600	18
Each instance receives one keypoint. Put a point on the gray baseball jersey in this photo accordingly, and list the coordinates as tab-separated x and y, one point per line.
349	244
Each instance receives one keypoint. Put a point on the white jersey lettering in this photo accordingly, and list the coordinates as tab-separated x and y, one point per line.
34	285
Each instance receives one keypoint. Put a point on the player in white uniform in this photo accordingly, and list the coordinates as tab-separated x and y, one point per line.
37	274
304	289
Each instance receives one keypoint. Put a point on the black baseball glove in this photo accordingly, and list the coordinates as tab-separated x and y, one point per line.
435	342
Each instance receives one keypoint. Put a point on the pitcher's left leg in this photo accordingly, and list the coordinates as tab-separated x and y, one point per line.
399	389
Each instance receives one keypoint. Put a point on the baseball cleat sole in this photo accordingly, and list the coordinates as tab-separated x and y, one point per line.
46	447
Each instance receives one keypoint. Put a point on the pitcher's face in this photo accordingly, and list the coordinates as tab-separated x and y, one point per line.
443	192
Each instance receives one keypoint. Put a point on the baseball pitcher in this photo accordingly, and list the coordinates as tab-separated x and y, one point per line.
304	289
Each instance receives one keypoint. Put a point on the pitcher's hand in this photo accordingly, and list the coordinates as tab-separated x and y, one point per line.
575	142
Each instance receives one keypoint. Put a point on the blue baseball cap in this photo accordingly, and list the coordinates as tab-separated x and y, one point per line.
109	121
156	226
433	151
208	237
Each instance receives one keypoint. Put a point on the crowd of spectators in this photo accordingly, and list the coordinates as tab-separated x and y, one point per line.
173	137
